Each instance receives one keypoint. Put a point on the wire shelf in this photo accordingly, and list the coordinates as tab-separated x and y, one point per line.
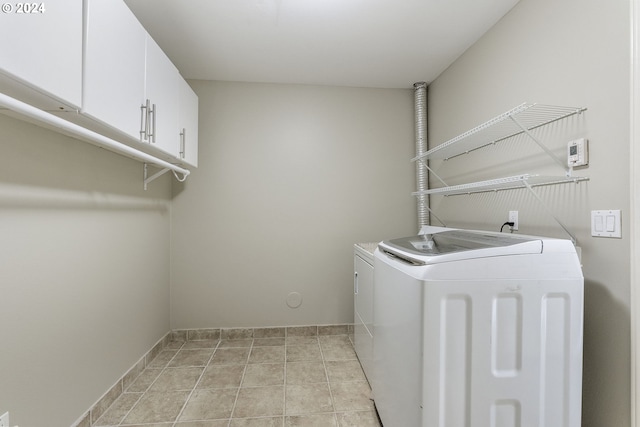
498	184
504	126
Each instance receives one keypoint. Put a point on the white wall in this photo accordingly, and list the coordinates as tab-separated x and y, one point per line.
574	53
290	177
84	272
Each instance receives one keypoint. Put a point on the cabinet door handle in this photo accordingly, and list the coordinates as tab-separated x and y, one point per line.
183	137
152	118
144	121
355	283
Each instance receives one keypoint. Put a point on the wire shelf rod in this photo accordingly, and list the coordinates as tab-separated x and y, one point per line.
500	184
531	116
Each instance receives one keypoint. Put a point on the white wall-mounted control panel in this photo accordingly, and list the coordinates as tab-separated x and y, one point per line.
578	152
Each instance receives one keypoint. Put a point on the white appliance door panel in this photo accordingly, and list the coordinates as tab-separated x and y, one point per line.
502	353
397	344
363	316
364	297
363	343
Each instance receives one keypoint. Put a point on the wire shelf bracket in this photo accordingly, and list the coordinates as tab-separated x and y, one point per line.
550	212
423	162
147	179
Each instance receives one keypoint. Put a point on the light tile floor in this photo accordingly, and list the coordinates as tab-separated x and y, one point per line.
257	382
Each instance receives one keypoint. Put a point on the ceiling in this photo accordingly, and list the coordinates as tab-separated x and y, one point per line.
360	43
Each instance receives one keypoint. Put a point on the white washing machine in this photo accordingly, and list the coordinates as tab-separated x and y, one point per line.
477	329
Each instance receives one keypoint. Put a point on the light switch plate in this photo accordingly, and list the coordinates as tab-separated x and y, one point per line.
606	223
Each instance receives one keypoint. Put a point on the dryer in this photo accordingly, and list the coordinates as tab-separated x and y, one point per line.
477	329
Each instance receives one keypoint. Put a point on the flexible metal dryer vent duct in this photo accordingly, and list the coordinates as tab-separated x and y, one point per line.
422	175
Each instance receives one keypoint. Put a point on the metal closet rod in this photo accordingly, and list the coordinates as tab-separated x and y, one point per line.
90	136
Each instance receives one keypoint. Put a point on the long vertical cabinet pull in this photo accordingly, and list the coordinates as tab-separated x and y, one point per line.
144	121
148	122
152	118
183	137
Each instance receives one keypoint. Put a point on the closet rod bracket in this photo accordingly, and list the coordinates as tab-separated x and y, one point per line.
148	179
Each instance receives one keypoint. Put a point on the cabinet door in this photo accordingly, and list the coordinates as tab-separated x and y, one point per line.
43	48
188	124
161	89
114	66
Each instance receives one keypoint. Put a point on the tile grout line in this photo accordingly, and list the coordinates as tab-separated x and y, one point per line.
150	385
186	402
326	373
132	406
284	380
89	413
244	371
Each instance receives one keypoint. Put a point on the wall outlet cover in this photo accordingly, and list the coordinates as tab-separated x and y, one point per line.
513	217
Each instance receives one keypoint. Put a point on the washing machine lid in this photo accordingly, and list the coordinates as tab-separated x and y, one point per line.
452	244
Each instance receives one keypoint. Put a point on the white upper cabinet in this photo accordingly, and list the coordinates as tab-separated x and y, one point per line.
118	78
41	60
161	89
188	124
129	83
114	66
